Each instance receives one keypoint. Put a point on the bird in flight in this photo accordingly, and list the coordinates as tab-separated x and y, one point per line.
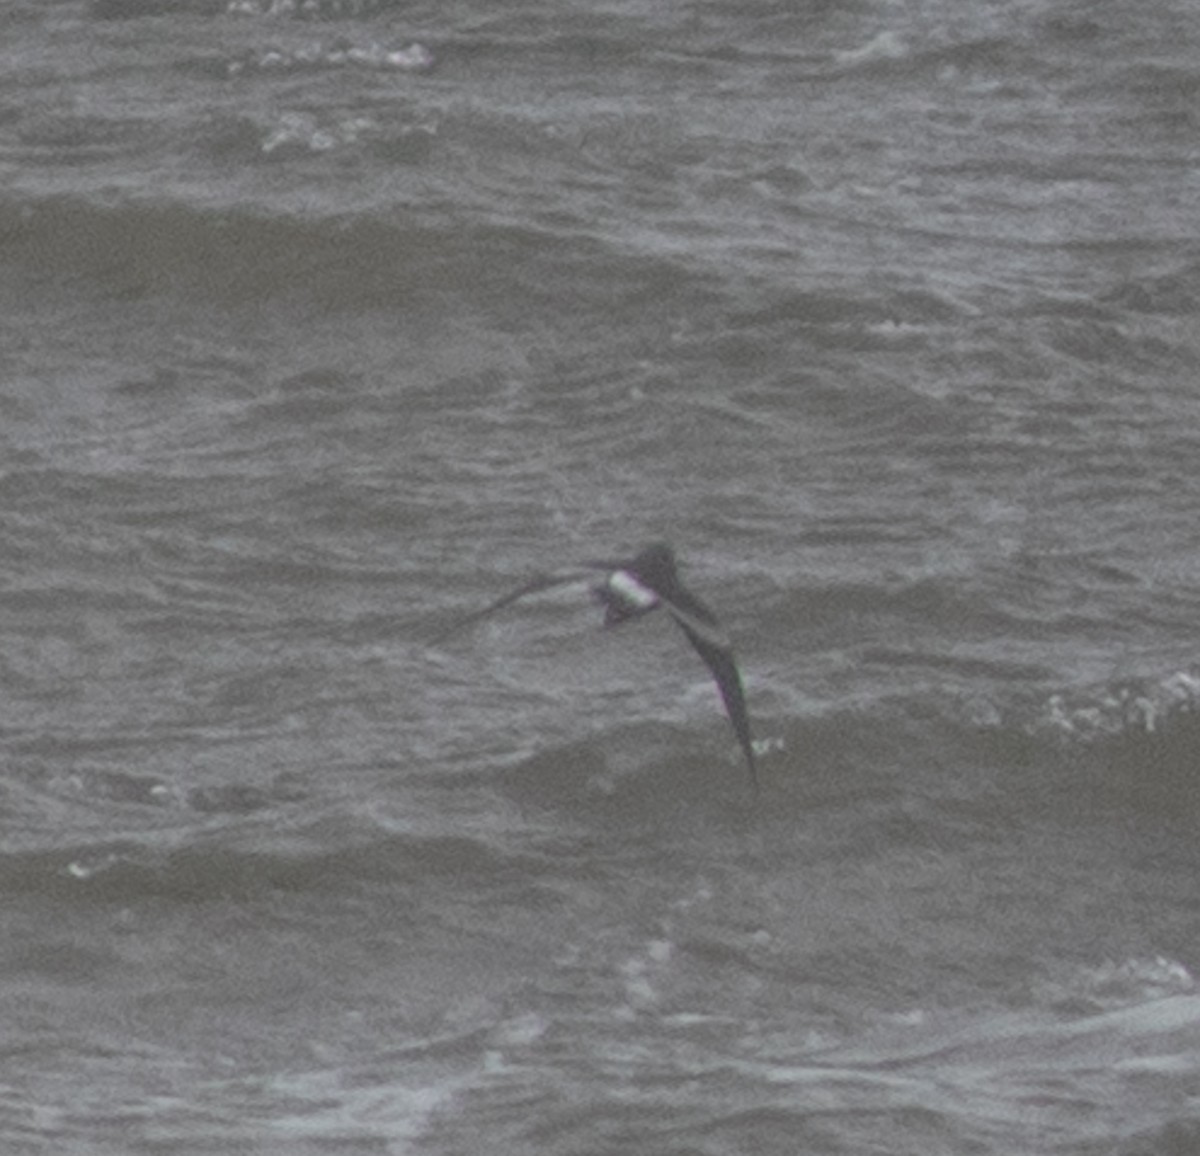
629	588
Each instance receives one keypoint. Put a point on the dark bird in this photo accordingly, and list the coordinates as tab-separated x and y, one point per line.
633	587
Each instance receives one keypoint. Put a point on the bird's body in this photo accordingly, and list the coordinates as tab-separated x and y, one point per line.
637	586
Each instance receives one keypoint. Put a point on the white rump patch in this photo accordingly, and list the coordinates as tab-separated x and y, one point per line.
630	591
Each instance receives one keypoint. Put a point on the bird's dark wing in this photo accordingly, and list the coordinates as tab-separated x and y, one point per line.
535	585
706	636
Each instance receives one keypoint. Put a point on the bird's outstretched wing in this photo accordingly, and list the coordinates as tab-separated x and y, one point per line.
535	585
703	631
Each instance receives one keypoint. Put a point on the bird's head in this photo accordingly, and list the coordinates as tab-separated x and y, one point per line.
655	565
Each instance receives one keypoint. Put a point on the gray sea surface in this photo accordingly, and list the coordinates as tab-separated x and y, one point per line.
324	324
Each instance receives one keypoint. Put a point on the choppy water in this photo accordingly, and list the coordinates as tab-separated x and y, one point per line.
322	327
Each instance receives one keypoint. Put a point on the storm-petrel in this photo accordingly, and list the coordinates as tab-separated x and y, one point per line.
633	587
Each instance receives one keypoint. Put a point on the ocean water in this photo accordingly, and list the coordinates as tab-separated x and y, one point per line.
323	325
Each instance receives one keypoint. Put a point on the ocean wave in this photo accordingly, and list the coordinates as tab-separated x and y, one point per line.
925	1084
1171	292
285	9
1137	738
246	859
339	54
1110	985
1134	707
386	257
939	766
238	253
